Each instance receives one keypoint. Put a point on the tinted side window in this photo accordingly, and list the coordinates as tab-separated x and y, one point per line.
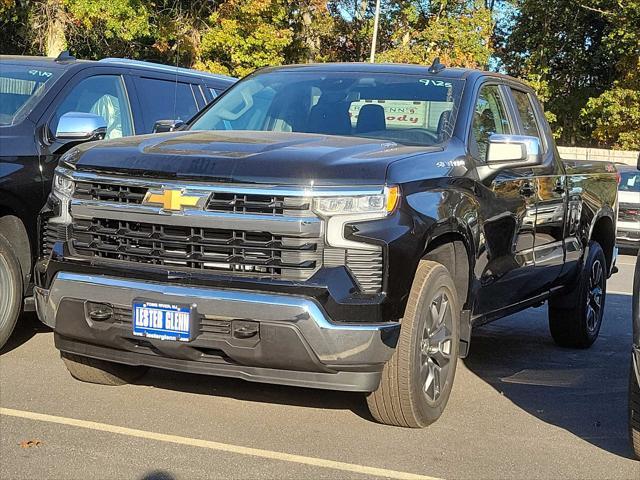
489	117
526	113
102	95
164	100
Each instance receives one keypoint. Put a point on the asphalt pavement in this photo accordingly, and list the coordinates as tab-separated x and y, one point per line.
521	408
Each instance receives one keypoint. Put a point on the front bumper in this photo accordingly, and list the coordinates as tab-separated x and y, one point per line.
296	342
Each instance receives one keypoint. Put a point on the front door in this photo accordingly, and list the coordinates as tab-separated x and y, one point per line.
505	263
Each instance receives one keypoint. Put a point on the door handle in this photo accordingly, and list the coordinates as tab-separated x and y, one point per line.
527	189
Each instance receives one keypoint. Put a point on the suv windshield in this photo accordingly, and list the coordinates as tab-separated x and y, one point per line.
21	86
406	109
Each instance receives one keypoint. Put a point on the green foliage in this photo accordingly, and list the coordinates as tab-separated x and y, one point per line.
459	32
122	19
245	35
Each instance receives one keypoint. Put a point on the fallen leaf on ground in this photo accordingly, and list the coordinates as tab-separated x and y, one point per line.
30	443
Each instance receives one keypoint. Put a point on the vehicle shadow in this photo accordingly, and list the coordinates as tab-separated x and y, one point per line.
257	392
581	391
28	326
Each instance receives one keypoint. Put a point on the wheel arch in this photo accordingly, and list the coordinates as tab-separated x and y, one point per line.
453	249
603	231
14	231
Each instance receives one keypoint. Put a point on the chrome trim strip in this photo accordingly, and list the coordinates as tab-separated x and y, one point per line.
280	190
307	227
331	342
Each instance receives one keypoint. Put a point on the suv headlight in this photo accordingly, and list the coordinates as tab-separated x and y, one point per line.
63	186
381	203
342	210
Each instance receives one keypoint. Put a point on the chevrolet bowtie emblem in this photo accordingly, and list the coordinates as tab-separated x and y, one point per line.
174	200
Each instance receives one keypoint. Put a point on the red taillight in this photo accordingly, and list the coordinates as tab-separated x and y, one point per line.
618	178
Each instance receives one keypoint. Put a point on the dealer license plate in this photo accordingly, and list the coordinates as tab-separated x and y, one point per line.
162	321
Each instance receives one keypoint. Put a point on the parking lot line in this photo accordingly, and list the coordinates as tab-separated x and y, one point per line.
222	447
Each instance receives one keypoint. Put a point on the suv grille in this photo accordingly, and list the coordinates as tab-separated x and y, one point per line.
256	204
108	192
257	253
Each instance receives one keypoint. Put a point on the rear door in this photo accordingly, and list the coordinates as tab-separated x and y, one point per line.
550	186
164	98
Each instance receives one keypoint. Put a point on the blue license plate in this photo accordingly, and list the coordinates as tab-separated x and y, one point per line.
162	321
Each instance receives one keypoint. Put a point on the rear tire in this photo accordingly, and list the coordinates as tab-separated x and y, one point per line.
575	317
11	289
634	412
417	381
92	370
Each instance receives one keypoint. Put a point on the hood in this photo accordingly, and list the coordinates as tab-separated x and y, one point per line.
281	158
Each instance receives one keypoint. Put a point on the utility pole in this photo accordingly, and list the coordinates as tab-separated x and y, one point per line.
372	58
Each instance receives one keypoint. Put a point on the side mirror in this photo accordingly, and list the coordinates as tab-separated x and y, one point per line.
81	127
162	126
509	151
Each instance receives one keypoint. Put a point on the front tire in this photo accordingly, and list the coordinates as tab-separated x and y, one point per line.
575	317
11	287
417	381
92	370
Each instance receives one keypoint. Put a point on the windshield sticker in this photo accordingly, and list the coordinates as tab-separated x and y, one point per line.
40	73
435	83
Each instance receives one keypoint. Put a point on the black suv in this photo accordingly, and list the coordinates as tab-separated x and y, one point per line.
49	105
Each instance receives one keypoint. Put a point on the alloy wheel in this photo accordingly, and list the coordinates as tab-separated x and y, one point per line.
595	296
436	347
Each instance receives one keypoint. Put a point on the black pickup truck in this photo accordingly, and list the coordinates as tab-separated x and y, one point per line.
338	226
49	105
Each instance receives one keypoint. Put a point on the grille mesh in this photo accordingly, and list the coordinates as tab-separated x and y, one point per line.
107	192
238	251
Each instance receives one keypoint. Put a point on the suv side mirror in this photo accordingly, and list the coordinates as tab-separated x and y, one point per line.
82	127
508	151
162	126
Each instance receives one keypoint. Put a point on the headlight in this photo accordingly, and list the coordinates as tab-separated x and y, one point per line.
382	203
63	186
343	210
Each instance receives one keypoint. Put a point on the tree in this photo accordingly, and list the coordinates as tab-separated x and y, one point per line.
457	31
244	35
614	116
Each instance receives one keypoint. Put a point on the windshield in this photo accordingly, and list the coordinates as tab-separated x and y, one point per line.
629	182
406	109
20	87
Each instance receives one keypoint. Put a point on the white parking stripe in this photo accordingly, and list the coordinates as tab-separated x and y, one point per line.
223	447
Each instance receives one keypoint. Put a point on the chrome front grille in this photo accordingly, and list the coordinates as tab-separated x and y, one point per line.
260	254
257	204
110	192
241	230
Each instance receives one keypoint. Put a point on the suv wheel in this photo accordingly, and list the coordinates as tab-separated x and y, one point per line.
10	290
93	370
575	318
417	381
